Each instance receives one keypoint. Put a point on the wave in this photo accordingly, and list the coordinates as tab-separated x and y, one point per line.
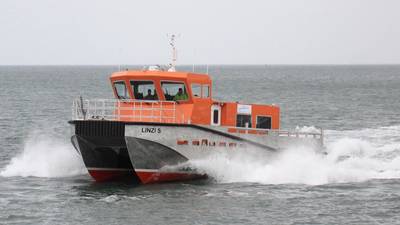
352	156
45	156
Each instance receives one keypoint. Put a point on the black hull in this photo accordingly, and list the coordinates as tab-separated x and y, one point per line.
104	151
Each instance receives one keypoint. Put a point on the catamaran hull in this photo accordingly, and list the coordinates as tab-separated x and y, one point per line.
156	152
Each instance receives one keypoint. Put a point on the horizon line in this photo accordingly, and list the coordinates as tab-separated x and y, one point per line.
223	64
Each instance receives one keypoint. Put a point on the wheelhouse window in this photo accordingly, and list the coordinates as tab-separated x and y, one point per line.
196	90
174	91
121	90
206	91
242	120
263	122
144	90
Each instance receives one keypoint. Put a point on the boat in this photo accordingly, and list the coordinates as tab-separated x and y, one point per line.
163	119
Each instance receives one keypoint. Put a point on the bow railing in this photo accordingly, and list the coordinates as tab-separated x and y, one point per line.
127	110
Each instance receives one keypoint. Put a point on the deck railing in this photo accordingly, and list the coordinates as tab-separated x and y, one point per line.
127	110
287	133
318	134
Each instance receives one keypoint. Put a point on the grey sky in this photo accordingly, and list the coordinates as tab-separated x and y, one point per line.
211	31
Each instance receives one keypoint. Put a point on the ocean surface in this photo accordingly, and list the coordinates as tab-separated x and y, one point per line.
43	180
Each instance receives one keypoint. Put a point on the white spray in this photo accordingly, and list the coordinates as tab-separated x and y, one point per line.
353	156
44	156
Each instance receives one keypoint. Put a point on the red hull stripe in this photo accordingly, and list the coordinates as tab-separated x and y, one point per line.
101	175
109	169
155	176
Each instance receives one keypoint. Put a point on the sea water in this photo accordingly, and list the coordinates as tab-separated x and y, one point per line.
43	179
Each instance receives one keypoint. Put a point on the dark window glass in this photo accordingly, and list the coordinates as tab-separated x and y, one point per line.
144	90
241	120
121	90
264	122
215	116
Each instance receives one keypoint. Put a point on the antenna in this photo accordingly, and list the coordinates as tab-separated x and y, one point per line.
172	65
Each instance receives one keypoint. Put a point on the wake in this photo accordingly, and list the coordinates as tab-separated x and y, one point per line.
353	156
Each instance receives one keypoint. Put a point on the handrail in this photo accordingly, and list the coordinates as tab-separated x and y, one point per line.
127	110
282	133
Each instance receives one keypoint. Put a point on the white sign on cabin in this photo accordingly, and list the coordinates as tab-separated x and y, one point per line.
244	109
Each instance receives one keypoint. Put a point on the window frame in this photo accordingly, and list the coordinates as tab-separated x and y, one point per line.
126	90
269	116
133	91
175	81
201	90
214	108
215	113
251	122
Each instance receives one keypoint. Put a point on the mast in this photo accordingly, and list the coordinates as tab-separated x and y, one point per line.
174	52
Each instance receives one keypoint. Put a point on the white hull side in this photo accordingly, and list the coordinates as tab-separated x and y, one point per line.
262	145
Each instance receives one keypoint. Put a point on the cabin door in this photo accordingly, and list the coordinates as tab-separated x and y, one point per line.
215	115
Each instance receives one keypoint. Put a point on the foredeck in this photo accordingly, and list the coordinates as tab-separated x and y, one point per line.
127	110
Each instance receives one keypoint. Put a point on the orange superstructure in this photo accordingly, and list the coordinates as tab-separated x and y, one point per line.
159	92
